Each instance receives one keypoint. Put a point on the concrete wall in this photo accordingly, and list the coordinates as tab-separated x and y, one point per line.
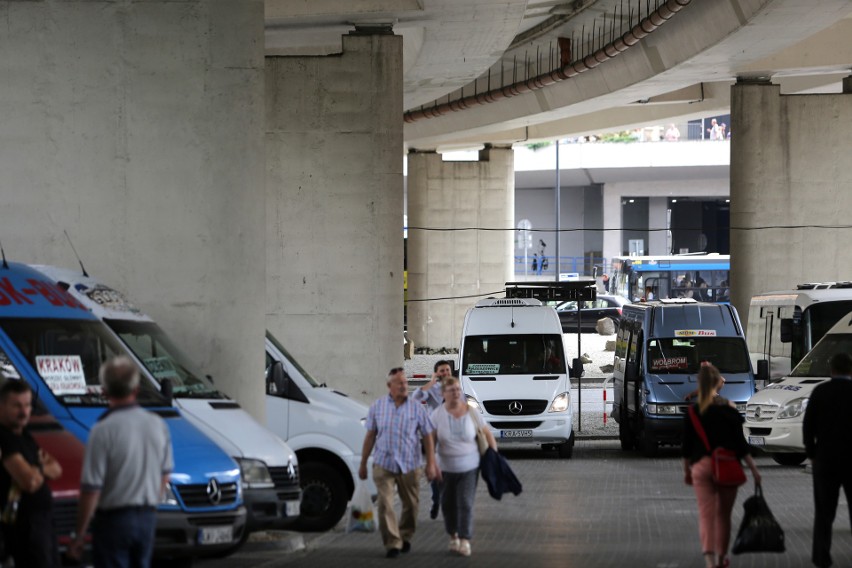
335	211
615	193
137	127
456	263
789	166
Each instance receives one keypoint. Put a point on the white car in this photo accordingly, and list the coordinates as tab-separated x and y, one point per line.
774	415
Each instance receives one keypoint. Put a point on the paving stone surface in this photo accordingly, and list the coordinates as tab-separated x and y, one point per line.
603	508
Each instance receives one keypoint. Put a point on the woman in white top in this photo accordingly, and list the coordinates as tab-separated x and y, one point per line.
458	458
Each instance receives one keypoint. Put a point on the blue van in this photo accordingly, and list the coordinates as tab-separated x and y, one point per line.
658	351
58	347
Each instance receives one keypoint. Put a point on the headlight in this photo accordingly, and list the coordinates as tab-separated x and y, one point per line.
560	403
741	407
669	409
254	474
473	403
169	498
794	408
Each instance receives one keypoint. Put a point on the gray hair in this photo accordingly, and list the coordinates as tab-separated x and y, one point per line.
119	377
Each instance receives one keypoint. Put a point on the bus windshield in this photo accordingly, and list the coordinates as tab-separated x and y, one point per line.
513	354
816	362
683	355
162	358
67	354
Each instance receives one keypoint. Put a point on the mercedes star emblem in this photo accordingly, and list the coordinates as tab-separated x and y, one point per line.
214	492
515	407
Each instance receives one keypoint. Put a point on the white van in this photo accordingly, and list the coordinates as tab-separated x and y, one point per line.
270	472
774	415
784	325
513	368
326	430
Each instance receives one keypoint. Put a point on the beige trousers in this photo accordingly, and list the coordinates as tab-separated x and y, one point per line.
408	485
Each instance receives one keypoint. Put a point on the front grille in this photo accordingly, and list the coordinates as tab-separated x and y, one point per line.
65	516
761	412
213	521
195	495
285	488
515	425
527	407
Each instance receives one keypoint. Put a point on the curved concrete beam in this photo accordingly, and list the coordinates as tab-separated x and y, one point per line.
709	42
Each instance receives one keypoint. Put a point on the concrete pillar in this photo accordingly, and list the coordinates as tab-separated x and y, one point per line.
788	167
448	264
612	223
138	128
657	219
335	215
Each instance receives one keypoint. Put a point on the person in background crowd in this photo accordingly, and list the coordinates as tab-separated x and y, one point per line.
723	425
25	498
458	458
125	474
432	396
605	280
672	134
396	425
826	428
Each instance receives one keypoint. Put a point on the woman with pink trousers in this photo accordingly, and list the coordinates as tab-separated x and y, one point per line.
723	426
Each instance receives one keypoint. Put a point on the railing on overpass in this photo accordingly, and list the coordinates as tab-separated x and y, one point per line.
531	266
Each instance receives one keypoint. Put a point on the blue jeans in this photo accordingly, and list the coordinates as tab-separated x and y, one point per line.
457	501
124	538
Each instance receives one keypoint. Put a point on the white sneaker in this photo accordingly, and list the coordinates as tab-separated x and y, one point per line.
454	544
464	547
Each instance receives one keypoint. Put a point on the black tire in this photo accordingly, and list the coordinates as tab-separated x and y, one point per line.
566	450
625	434
324	497
789	459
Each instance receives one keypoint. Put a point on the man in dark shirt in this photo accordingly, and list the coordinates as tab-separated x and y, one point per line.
25	498
826	428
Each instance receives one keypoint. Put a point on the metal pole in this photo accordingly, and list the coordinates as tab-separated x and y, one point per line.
558	211
579	378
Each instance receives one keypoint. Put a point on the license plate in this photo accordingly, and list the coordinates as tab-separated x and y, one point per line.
215	535
516	433
757	440
291	509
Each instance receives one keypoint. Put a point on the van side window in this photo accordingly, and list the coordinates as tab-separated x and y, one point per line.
634	346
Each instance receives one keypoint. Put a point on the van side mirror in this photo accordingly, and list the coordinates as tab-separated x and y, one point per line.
631	372
167	389
276	380
762	372
576	368
786	330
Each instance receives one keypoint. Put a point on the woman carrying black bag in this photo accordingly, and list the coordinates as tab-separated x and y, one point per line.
721	425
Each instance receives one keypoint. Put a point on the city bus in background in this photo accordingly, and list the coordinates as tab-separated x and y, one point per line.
784	325
703	277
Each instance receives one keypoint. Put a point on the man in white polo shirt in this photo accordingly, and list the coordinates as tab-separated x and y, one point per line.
125	471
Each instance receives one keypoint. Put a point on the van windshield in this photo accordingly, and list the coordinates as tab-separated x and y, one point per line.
816	362
513	354
162	358
67	354
683	355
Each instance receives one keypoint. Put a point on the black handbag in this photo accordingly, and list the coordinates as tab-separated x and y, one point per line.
759	531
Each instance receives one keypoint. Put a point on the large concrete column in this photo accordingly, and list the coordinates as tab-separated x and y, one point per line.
450	264
657	219
612	223
335	217
789	166
138	128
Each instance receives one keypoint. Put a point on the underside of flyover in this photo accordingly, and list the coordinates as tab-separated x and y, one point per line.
237	165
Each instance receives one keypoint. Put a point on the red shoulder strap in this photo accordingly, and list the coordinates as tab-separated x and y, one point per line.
699	429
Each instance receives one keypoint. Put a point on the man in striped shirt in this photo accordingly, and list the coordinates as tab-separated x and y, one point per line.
396	426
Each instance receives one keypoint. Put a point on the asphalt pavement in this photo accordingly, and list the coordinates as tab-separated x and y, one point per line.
603	508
